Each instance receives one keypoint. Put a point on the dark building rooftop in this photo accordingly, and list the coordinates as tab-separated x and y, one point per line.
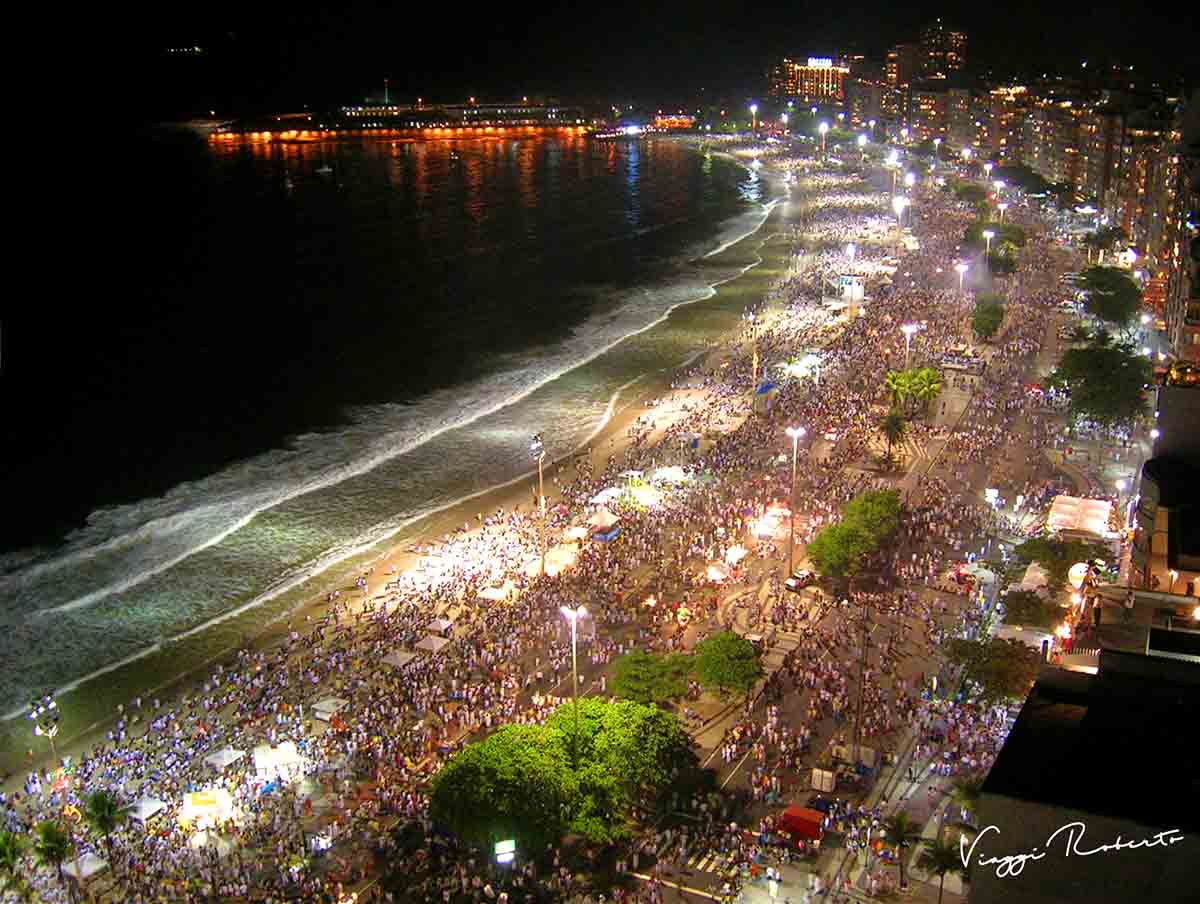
1118	752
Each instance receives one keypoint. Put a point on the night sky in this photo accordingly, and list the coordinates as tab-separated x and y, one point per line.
295	54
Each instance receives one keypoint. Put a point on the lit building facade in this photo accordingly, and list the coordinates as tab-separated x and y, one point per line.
817	80
943	50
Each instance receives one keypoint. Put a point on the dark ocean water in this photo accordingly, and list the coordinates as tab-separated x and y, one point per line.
275	366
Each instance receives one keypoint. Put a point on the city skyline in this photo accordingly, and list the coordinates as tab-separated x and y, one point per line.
313	57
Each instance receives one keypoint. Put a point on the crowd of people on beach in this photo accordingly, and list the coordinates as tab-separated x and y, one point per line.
364	769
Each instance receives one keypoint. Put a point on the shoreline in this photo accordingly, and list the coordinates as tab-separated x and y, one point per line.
259	623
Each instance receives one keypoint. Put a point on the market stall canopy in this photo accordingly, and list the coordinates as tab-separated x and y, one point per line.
1035	577
646	495
432	643
1087	517
673	474
612	494
603	519
85	867
399	658
578	532
223	757
206	808
283	761
440	625
145	808
326	708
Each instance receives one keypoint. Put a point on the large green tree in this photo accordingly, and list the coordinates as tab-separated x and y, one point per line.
926	385
998	669
727	662
877	512
516	783
837	550
650	677
103	815
1112	295
986	318
52	846
1107	381
1026	608
893	426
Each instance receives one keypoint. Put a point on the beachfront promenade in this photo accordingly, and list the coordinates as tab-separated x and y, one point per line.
503	654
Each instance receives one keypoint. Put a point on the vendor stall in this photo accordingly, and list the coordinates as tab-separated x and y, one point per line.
431	644
206	808
603	519
223	758
83	868
282	762
399	658
146	809
325	709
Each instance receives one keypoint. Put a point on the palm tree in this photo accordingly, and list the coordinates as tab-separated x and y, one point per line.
1079	333
926	385
12	854
899	383
965	793
103	816
52	845
941	858
900	832
893	427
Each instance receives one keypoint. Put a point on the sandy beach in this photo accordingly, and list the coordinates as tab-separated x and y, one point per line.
89	710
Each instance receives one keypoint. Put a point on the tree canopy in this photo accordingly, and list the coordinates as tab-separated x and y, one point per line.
1106	381
1112	295
1024	607
1005	233
650	677
839	549
996	669
726	662
986	318
521	782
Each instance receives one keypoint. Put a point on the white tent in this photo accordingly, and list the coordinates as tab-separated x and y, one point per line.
673	474
1084	517
561	557
146	808
576	533
223	757
205	808
717	571
86	867
610	495
283	761
324	709
603	519
441	624
646	495
399	658
1035	577
432	643
981	574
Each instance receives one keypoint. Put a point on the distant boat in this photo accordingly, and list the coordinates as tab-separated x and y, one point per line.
324	169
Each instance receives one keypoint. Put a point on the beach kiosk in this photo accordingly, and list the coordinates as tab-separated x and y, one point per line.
146	809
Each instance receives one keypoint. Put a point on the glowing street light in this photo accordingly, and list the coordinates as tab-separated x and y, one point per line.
823	128
999	185
937	146
966	155
573	616
783	117
908	329
1174	577
795	433
754	118
537	450
1002	206
862	147
910	179
851	248
987	170
904	133
1155	433
45	715
962	271
988	235
1145	318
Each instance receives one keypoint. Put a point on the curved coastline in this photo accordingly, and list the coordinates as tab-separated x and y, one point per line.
198	655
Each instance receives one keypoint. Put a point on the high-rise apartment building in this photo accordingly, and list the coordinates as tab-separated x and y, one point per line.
943	50
903	64
818	80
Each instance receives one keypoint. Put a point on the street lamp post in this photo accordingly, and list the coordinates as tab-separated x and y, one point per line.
898	205
962	270
823	128
910	179
1002	206
795	433
754	119
45	715
784	117
937	147
862	147
538	450
987	171
908	329
988	235
573	616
